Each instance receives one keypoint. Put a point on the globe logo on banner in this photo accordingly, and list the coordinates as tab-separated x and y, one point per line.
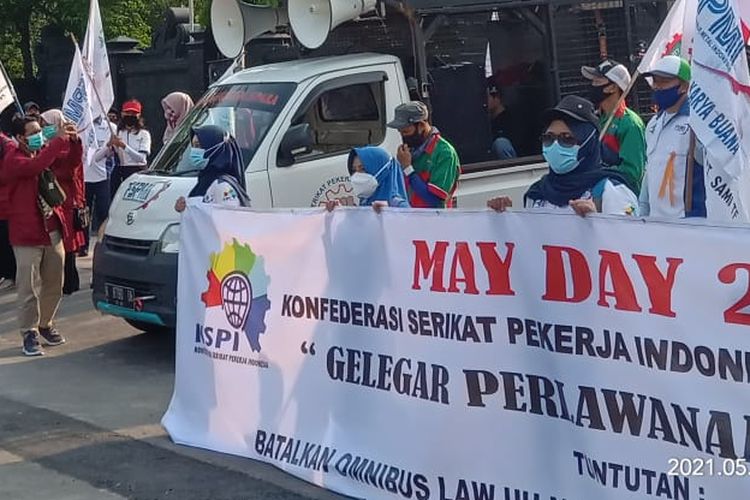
236	297
238	283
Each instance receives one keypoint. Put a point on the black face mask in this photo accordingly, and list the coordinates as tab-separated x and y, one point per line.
130	121
414	140
597	95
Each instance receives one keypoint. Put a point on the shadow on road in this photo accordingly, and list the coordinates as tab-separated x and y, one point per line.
128	467
141	349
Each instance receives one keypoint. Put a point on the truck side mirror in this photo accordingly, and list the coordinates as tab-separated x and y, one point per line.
298	140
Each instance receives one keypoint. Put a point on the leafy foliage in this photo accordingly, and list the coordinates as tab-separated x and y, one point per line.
21	23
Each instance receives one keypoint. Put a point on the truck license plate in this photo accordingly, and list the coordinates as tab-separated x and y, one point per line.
121	296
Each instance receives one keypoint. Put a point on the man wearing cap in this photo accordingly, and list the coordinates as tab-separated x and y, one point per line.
431	165
673	186
624	142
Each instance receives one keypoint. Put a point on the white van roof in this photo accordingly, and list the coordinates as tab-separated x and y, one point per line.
302	69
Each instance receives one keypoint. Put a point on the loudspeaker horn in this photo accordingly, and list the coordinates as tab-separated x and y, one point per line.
236	22
312	20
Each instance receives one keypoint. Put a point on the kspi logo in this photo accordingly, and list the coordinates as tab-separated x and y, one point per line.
238	283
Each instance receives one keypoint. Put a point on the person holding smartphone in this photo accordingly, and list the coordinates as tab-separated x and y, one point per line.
37	231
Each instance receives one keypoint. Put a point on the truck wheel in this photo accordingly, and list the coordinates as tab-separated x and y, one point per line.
147	327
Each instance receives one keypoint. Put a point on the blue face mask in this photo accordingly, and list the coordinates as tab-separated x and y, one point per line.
36	141
49	132
561	159
666	98
196	157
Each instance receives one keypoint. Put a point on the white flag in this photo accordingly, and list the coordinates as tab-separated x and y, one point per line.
488	62
78	104
720	107
675	37
6	91
97	63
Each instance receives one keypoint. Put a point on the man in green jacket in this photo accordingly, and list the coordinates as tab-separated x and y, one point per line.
430	163
624	143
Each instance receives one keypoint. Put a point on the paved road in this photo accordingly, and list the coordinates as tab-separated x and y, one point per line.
82	423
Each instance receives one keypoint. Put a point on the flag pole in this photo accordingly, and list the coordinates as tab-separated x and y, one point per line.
12	89
93	87
624	96
690	172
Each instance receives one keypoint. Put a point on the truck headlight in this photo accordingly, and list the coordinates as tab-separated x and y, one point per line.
170	239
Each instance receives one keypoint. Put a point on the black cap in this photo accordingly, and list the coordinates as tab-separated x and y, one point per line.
574	107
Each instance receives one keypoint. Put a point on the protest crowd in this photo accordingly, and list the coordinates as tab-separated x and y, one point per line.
602	159
372	220
55	188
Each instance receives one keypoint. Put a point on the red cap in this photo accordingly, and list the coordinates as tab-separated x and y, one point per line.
132	106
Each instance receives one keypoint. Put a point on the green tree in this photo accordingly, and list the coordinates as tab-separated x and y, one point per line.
17	26
21	23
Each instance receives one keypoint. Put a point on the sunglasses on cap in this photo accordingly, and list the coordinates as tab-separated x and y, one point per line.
565	140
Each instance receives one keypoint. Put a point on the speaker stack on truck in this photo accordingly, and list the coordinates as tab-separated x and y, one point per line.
236	22
458	92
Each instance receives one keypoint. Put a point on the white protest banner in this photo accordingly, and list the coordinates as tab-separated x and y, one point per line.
675	37
78	103
94	52
7	95
720	107
459	355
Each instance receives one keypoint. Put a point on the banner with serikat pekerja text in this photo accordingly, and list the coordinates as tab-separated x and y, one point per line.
460	355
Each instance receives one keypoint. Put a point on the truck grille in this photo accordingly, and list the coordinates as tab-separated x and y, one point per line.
128	246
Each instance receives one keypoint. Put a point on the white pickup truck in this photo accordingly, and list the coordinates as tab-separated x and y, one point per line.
295	123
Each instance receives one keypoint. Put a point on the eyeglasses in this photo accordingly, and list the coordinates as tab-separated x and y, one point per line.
565	140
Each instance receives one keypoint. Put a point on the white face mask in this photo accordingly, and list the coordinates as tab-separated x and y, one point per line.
364	184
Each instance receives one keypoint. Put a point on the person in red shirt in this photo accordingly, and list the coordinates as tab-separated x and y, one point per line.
7	259
68	169
36	231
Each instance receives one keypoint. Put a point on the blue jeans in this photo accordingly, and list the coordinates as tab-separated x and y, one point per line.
503	149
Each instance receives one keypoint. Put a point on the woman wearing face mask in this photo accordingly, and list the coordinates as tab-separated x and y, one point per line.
68	169
132	144
176	106
222	176
377	178
576	180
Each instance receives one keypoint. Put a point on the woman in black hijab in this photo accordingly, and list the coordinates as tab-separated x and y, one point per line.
222	173
576	181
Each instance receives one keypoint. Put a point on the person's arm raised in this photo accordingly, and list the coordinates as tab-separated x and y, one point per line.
23	167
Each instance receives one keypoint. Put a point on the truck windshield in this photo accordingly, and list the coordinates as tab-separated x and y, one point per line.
247	111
